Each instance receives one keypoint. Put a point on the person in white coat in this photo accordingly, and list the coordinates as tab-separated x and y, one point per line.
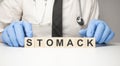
28	18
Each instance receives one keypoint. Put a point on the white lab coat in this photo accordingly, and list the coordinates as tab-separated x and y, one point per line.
39	13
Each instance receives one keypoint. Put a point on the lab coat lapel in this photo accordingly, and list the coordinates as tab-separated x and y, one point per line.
88	7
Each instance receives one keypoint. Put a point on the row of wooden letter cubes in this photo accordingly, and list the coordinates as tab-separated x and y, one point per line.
57	42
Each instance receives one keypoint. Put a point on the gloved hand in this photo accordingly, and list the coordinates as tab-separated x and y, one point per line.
99	30
14	34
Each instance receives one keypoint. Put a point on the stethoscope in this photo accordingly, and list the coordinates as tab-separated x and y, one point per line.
80	19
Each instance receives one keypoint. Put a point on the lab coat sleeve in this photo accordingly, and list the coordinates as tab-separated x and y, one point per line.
90	10
10	10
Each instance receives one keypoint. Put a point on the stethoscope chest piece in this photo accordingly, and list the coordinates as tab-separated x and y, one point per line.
80	21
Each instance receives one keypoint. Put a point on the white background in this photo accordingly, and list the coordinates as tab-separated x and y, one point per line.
100	56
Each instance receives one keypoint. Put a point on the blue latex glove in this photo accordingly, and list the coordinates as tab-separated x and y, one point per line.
13	35
99	30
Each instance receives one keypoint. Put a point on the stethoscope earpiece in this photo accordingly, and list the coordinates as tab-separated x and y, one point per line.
80	21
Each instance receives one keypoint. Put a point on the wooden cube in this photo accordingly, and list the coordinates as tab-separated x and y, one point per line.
80	42
39	43
60	42
29	43
90	42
